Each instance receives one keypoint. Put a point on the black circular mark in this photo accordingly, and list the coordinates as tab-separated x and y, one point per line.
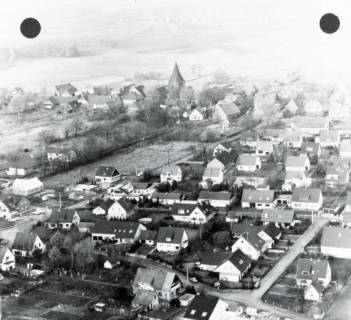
329	23
30	28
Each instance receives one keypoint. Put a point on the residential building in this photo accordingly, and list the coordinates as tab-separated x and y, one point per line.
337	177
225	112
121	209
143	188
116	231
12	205
212	176
280	217
309	270
27	187
248	163
222	161
249	139
209	261
293	140
102	208
307	199
197	115
216	199
251	244
145	299
345	149
329	138
295	179
206	308
111	262
106	175
216	164
234	268
192	213
297	163
171	240
61	154
270	233
64	219
169	198
312	150
259	199
314	291
66	90
336	242
7	259
170	174
264	148
22	166
25	244
148	237
166	284
222	147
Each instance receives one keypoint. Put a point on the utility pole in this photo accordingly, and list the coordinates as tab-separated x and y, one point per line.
187	275
60	202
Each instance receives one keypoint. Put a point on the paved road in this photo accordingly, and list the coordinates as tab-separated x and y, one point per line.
289	256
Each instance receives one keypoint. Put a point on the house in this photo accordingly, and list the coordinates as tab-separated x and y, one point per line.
292	106
329	138
169	198
148	237
222	147
132	97
209	261
212	176
67	104
206	308
102	208
309	126
307	199
60	154
7	259
313	107
143	188
259	199
116	231
309	270
27	187
312	150
345	149
225	112
296	179
21	166
248	163
99	102
314	291
274	135
85	227
336	242
297	163
251	243
216	164
234	268
222	160
249	139
64	219
345	215
66	90
337	177
270	234
166	284
145	299
292	140
12	205
26	243
216	199
191	213
122	209
250	179
197	115
170	174
111	262
171	240
264	148
280	217
106	175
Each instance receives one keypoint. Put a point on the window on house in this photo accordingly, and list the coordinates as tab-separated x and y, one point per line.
204	314
192	312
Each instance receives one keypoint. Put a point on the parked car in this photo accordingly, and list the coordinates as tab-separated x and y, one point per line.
194	280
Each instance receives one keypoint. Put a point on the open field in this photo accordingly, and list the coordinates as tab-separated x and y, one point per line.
150	157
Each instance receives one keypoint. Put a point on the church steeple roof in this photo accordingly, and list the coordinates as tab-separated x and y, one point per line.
176	77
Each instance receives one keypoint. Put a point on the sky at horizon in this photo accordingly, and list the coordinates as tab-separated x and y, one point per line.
248	38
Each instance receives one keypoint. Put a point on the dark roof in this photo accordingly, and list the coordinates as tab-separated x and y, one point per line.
24	241
243	229
160	280
186	209
227	157
170	235
240	260
207	195
105	205
336	237
254	239
121	229
125	204
201	308
257	196
166	196
65	215
176	77
66	87
141	185
22	162
214	258
312	269
272	230
148	235
106	171
3	251
318	285
310	147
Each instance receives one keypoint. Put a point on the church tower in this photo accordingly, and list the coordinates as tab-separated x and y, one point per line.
176	85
